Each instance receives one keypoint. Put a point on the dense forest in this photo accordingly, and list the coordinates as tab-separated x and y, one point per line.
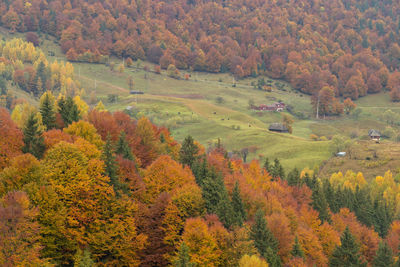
350	48
99	188
82	186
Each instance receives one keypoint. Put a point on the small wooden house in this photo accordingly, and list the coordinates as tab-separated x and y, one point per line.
278	127
374	135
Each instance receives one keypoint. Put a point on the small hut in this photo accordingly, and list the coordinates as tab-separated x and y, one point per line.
278	127
374	135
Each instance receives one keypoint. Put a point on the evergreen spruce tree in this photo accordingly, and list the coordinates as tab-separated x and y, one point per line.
68	110
330	196
200	170
277	170
123	148
225	210
267	166
320	204
264	240
212	190
110	164
3	86
347	254
188	151
183	259
272	258
384	256
297	251
382	218
33	139
363	207
47	109
238	207
293	177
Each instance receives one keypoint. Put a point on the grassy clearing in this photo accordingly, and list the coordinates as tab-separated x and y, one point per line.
208	106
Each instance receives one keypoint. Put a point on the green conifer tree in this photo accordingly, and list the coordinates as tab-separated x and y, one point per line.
293	177
33	139
347	254
297	251
47	109
267	166
123	148
225	210
262	236
238	207
212	189
68	110
183	259
110	164
320	204
188	151
384	256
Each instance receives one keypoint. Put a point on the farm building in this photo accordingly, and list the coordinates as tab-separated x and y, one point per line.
278	106
374	135
278	127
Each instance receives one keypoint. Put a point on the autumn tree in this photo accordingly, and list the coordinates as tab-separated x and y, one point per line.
19	231
11	138
349	105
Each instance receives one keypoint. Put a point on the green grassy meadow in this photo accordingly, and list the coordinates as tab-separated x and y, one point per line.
208	106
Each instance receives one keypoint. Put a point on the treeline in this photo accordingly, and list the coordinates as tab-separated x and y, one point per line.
347	46
88	187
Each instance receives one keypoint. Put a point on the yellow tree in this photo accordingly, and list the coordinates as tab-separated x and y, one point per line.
202	245
87	131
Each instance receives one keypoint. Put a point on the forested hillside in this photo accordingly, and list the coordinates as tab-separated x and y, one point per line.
95	188
349	47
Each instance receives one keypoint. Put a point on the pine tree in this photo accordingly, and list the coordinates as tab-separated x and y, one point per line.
272	258
3	86
238	207
293	177
110	164
183	259
277	170
320	204
267	166
212	189
363	206
330	196
297	251
200	170
347	254
262	236
47	109
33	139
384	256
382	218
68	110
188	151
225	210
123	148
